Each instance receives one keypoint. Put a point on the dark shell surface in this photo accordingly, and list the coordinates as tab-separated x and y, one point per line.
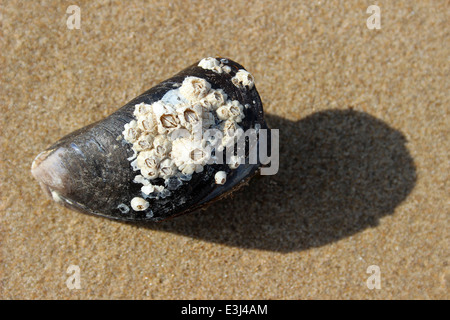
94	174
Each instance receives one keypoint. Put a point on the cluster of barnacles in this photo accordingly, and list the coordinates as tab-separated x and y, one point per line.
242	79
168	138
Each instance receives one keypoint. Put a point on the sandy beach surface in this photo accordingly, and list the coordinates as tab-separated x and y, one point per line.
362	193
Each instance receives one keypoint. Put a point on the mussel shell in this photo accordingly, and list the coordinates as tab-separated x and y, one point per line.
95	175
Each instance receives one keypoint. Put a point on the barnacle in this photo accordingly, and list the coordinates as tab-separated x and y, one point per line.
243	79
194	88
139	204
220	177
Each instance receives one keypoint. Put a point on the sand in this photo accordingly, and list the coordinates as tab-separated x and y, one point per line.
364	155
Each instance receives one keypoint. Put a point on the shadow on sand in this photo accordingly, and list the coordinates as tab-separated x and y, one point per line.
340	172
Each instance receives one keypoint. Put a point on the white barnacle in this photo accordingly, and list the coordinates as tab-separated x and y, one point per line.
145	118
147	159
243	79
187	168
131	131
144	142
190	155
148	163
147	124
190	115
229	128
141	109
231	133
194	88
234	162
206	104
169	121
220	177
223	113
166	117
216	98
210	63
162	146
150	173
236	110
167	168
197	154
139	204
231	110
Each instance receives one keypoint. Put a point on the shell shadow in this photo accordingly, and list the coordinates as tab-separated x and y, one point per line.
340	172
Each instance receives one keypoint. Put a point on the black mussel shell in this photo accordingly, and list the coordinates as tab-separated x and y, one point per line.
89	169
